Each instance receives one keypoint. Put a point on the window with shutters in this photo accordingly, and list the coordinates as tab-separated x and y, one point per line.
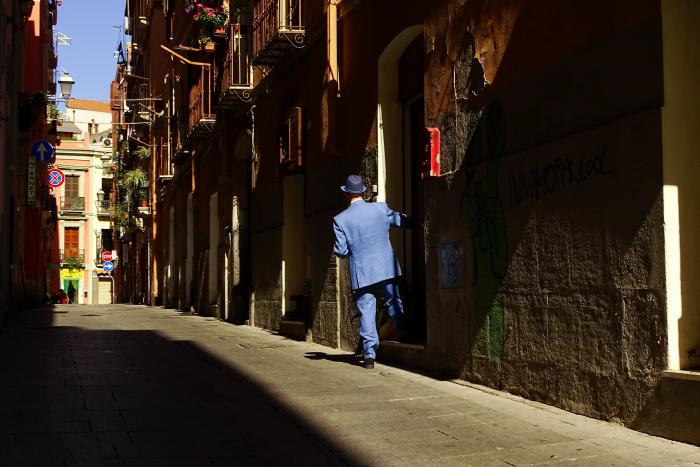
71	194
71	241
72	186
291	147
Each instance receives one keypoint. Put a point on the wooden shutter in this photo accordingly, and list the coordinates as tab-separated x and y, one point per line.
71	241
291	147
72	187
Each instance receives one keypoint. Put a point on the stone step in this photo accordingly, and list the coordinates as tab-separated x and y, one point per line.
293	329
673	411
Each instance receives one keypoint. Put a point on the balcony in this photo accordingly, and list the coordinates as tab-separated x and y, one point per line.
201	116
237	76
277	29
73	205
104	207
72	253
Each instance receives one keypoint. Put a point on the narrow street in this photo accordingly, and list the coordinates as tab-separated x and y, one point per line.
132	385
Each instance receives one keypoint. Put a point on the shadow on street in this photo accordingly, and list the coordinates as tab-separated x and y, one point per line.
72	396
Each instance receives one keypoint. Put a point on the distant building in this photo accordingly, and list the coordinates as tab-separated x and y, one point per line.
91	117
84	205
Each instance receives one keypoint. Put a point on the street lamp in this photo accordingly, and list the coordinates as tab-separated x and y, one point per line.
101	200
66	82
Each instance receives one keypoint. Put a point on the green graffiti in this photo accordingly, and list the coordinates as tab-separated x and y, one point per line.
482	214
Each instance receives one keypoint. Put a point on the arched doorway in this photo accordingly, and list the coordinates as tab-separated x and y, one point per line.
400	123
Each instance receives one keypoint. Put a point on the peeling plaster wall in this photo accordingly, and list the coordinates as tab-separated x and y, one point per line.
551	202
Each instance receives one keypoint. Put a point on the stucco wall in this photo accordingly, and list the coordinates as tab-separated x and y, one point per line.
681	144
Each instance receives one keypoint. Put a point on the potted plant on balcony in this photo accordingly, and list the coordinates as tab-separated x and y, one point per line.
208	18
143	198
133	181
72	263
55	114
142	152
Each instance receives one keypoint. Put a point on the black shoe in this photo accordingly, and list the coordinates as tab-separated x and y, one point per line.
368	363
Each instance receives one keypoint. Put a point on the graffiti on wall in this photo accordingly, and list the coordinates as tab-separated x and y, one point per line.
540	181
482	214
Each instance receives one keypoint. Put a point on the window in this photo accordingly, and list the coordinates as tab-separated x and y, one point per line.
71	241
291	147
107	243
72	187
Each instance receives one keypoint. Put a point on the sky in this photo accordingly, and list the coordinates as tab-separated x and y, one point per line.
90	56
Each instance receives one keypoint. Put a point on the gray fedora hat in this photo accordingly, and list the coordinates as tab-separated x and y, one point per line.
353	185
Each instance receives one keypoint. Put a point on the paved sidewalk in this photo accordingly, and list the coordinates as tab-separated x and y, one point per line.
137	386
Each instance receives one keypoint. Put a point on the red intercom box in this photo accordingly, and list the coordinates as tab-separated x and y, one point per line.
431	155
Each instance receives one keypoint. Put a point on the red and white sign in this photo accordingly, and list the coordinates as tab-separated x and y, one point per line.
106	256
56	178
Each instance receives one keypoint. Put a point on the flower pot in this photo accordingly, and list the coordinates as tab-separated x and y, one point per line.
220	31
143	203
209	46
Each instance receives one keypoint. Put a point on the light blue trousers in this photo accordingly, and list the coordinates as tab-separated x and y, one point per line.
367	304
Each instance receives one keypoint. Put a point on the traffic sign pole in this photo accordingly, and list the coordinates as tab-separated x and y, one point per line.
108	267
112	278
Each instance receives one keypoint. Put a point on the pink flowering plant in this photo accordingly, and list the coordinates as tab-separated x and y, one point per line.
208	16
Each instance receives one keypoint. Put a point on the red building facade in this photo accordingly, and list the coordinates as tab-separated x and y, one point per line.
27	61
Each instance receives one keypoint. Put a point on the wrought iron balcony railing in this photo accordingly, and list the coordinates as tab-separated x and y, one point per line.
72	253
237	73
103	207
277	29
202	117
73	204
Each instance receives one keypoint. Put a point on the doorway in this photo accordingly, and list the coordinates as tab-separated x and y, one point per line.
70	287
413	239
400	126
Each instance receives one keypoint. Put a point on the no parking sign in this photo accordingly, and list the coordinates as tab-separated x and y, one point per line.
56	178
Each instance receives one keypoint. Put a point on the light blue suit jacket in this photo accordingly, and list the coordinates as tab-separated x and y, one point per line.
362	234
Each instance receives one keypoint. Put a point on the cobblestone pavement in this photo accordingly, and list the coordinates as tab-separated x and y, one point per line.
136	386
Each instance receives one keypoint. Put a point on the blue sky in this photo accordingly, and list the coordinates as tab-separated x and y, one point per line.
90	57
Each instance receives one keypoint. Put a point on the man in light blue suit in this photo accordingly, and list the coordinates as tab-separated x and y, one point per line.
362	235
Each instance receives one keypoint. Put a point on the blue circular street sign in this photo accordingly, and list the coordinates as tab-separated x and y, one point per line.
42	151
108	266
